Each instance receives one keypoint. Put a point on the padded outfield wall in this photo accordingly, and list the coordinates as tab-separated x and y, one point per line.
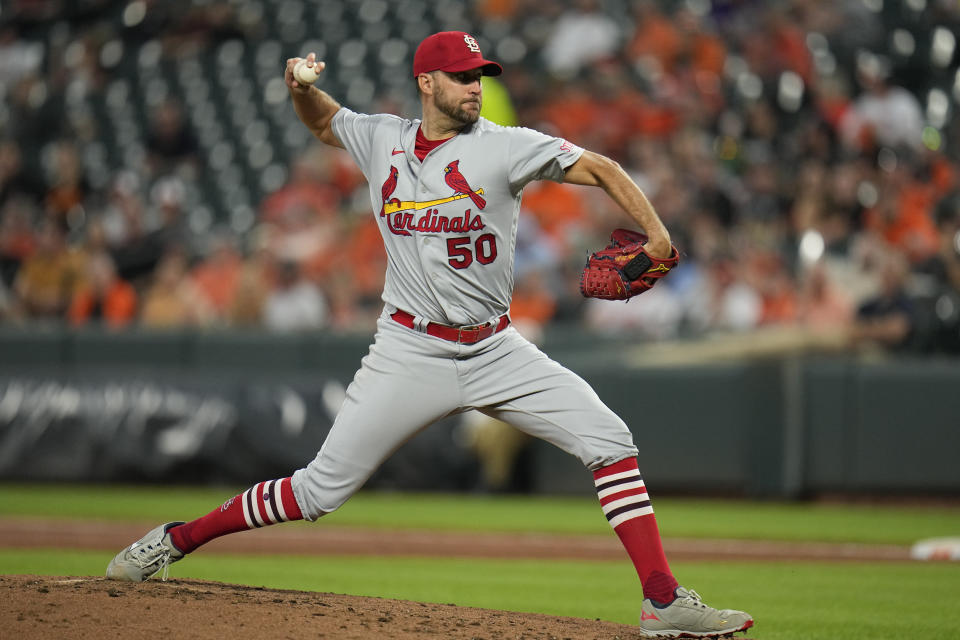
239	407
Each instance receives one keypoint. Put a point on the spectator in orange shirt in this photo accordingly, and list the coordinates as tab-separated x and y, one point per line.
104	298
655	38
704	48
533	304
776	288
498	9
903	214
559	209
218	274
364	248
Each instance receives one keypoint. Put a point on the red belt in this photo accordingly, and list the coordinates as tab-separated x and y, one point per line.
460	335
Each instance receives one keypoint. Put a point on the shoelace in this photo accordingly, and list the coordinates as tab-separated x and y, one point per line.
166	567
695	598
162	555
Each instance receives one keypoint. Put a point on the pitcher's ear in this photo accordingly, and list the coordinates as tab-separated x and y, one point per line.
425	83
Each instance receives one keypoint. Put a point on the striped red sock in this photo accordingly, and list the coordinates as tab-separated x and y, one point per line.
626	504
263	504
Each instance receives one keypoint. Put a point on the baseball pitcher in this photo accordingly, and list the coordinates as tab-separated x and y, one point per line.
445	190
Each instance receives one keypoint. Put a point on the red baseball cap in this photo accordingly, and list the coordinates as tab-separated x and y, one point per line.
451	51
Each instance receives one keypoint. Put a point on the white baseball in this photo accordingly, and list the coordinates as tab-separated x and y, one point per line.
305	75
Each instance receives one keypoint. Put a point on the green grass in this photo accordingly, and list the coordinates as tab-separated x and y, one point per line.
677	517
790	601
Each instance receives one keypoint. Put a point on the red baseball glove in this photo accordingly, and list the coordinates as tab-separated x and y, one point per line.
624	268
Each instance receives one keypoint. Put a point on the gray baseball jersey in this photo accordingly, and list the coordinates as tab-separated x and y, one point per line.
449	226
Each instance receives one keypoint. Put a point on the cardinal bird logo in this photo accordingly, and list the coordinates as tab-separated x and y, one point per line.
456	181
389	186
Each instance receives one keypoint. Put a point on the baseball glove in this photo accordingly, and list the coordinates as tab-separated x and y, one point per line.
624	268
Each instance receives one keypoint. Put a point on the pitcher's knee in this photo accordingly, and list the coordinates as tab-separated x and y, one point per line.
615	445
317	498
606	459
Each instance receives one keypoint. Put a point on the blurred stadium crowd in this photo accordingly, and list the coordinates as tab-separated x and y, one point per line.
804	155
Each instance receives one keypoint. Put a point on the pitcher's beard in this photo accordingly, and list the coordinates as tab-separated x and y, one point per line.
457	112
461	115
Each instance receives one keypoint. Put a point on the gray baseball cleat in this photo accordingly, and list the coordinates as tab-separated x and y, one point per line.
146	556
688	617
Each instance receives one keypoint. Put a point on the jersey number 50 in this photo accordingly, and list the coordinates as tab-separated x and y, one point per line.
460	255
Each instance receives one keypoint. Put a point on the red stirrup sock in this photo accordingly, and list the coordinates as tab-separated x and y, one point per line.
626	504
263	504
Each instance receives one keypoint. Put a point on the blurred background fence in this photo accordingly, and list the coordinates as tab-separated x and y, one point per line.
187	281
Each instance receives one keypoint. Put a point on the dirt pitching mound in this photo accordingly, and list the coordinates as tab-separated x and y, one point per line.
33	607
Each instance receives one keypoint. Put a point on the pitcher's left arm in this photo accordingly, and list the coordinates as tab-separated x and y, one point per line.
596	170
